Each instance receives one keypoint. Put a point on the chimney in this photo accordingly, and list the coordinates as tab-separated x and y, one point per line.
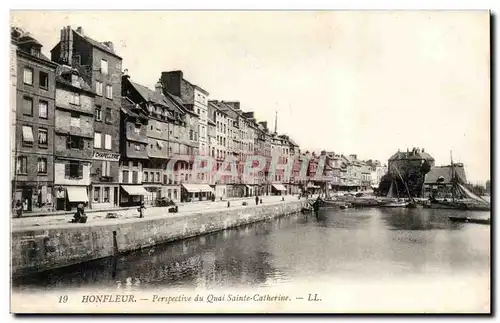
109	45
171	82
234	104
159	87
80	30
66	50
263	123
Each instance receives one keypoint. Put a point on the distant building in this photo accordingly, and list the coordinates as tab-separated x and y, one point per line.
438	182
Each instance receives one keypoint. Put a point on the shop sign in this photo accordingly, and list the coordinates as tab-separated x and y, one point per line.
106	156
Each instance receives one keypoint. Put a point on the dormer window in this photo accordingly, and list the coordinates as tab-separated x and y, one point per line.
35	51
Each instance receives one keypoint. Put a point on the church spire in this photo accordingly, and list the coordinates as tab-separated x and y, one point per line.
276	123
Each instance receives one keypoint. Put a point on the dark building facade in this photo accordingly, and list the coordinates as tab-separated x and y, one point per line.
34	130
101	68
134	153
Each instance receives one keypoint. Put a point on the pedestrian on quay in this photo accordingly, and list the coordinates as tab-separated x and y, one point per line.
256	200
80	216
19	209
141	209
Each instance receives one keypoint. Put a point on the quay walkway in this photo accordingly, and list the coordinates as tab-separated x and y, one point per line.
99	217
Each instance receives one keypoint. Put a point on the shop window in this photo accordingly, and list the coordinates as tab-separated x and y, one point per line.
106	195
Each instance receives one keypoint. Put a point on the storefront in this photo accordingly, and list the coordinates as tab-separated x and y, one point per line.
153	192
35	197
278	189
220	191
132	195
105	187
196	192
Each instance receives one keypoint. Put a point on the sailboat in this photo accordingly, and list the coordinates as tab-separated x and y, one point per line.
462	198
395	201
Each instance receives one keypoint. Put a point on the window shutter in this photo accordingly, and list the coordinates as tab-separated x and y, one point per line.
66	170
80	170
103	169
68	142
81	143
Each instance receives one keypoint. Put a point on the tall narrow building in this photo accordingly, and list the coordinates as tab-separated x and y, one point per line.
34	125
101	68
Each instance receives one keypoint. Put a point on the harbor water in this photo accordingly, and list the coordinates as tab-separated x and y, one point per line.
335	246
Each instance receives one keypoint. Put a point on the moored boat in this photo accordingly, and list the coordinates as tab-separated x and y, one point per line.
469	220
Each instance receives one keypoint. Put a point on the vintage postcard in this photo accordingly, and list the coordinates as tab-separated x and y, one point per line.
250	162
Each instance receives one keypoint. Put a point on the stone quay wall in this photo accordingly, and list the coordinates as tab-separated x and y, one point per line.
37	249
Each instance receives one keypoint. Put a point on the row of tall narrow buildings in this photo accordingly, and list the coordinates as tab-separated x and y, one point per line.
86	132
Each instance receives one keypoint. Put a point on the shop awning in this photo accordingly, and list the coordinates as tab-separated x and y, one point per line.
134	189
279	187
77	194
248	186
197	188
27	134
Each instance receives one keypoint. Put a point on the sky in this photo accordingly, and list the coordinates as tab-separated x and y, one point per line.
352	82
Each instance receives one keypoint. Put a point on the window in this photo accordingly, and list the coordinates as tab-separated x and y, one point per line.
137	147
145	176
42	136
107	116
98	88
175	194
106	195
27	135
198	111
97	140
135	177
135	164
125	176
28	106
107	142
98	113
74	80
75	120
137	128
97	194
42	165
109	91
28	76
157	177
190	134
22	165
104	66
75	98
74	142
73	170
106	168
42	109
44	80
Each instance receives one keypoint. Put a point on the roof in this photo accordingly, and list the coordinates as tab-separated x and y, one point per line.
411	155
210	122
128	106
64	70
97	44
445	172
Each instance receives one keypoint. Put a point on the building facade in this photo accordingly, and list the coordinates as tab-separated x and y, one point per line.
101	68
34	125
74	139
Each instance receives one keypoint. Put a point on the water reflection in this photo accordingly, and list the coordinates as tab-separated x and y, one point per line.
342	243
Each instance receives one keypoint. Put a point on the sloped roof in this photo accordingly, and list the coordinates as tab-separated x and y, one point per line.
64	70
445	172
97	44
411	155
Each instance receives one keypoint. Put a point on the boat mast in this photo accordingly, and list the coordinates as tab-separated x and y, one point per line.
452	177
